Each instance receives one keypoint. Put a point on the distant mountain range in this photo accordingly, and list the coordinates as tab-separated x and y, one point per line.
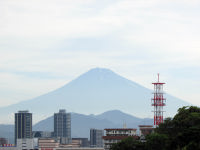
81	124
95	91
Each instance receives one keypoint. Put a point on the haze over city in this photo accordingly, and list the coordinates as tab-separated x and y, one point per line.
46	44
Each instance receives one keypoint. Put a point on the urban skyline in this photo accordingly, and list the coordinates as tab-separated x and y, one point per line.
25	137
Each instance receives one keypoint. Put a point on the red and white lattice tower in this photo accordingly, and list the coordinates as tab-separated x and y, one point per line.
158	101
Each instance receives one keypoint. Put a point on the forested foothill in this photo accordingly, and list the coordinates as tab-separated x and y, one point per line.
182	132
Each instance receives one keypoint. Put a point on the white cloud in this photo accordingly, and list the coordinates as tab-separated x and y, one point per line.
136	38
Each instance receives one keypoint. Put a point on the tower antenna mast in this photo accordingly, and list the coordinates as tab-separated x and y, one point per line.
158	101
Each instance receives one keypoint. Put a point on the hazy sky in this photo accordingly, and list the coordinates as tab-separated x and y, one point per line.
44	44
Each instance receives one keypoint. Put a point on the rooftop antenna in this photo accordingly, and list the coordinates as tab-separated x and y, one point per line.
124	125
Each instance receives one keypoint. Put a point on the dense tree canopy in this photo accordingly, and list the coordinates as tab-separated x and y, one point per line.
156	141
128	144
179	133
183	131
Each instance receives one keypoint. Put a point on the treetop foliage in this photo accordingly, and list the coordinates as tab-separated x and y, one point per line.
179	133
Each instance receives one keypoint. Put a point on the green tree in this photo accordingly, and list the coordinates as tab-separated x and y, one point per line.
156	141
183	131
128	144
179	133
192	146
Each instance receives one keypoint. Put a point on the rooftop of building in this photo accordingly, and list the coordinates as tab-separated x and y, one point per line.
120	129
62	111
23	111
119	137
145	126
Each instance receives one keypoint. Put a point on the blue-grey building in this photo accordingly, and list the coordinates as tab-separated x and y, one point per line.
23	125
62	126
96	137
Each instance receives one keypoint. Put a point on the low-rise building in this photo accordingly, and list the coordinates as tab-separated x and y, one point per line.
3	141
47	144
145	129
25	144
73	144
116	135
84	142
80	148
9	148
4	145
51	144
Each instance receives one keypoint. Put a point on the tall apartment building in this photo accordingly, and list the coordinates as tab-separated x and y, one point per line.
62	126
96	138
23	125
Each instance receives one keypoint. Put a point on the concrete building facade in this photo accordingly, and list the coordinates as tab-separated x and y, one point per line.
115	135
145	129
47	143
84	142
62	126
25	144
3	141
9	148
96	138
23	125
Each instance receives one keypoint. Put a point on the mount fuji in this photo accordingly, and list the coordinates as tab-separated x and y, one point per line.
95	91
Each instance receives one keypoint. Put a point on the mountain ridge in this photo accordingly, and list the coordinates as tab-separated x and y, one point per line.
81	123
95	91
